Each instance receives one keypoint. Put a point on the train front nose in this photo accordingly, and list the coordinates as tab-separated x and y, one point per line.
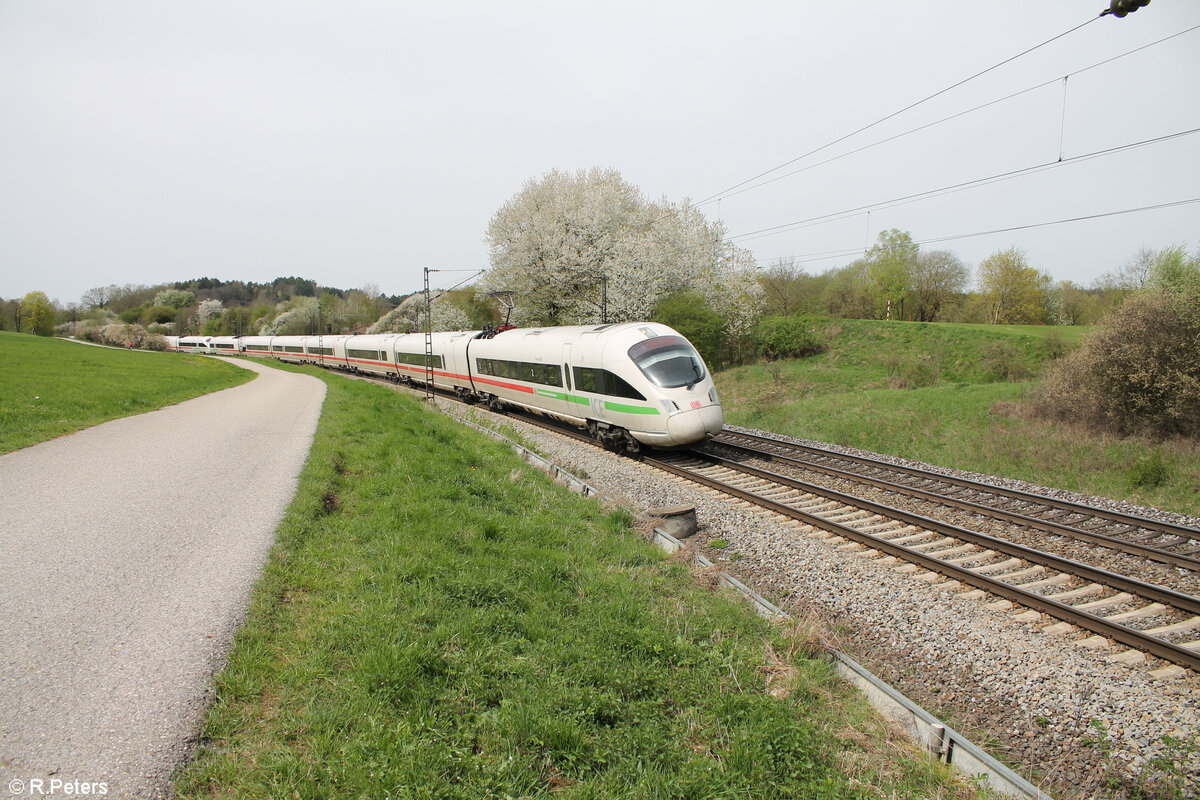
695	424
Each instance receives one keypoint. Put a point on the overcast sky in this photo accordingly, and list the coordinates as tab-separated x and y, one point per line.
357	141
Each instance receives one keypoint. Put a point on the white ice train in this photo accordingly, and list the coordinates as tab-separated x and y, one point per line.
628	384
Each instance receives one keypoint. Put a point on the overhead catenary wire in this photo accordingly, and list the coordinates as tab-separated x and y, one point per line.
897	113
787	227
939	239
927	126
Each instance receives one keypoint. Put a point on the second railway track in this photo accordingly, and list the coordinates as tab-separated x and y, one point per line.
1097	600
1155	540
1108	604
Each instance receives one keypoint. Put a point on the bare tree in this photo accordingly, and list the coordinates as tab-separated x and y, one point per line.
96	298
783	287
936	277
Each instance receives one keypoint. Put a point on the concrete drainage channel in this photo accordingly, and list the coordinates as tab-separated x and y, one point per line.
929	733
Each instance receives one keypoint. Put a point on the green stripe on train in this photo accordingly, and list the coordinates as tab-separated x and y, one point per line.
583	401
624	409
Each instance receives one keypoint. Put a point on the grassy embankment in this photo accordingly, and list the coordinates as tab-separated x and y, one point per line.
438	620
944	393
50	387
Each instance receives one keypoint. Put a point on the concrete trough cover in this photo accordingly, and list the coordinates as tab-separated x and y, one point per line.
679	521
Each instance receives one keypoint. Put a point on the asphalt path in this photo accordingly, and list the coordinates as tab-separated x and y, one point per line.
127	555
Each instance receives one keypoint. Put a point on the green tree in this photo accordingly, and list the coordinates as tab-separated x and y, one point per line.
691	315
889	270
1174	272
175	298
1013	292
37	314
10	314
846	293
158	314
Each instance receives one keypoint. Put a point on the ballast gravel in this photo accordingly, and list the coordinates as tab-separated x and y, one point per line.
1063	714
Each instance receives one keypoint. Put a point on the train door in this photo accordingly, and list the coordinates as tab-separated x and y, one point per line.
570	404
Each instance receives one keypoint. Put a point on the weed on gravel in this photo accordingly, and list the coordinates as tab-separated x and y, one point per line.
438	620
52	387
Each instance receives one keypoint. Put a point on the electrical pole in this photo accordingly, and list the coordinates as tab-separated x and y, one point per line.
428	340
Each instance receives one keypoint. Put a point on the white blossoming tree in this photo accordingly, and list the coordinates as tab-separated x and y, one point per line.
556	242
409	316
207	310
298	317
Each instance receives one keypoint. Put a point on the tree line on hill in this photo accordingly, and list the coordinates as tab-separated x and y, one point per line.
588	247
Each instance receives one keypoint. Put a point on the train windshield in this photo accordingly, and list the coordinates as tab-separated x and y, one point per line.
668	361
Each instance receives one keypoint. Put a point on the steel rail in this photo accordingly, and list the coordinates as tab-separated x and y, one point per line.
1121	517
1183	602
1110	542
1113	630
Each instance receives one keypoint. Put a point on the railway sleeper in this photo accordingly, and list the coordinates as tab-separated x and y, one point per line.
844	515
970	557
1036	569
880	527
912	537
1054	580
1072	594
955	551
1175	627
1149	610
924	546
998	566
1105	602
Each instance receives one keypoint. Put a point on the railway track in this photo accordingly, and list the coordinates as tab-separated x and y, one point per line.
1146	618
1106	603
1164	542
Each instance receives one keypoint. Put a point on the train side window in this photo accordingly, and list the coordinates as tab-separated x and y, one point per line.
567	376
418	359
585	380
601	381
619	387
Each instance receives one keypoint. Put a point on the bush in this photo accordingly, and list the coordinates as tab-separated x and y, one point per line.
1139	371
1149	471
1005	362
121	335
690	314
157	314
786	337
909	372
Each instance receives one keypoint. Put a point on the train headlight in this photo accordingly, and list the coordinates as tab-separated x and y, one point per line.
712	395
669	406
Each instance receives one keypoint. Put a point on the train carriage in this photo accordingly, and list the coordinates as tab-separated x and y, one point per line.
373	354
190	344
628	384
226	345
259	346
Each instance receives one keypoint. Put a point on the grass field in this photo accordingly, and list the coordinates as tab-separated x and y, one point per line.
51	387
438	620
947	394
